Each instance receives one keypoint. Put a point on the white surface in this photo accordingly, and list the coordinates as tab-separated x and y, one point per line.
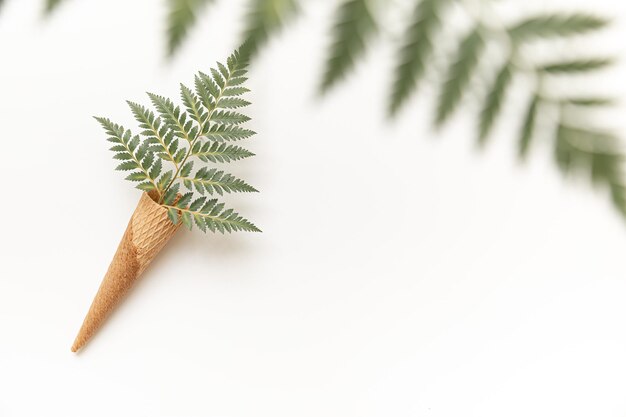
400	273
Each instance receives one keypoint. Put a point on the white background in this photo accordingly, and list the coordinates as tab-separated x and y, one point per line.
400	272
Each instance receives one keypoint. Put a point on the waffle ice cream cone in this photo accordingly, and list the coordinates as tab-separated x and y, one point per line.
147	233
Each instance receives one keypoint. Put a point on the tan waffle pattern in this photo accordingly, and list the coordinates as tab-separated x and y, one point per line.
148	231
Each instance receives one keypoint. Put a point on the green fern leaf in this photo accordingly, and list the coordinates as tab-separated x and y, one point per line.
459	74
228	133
127	148
588	101
174	118
228	117
220	152
416	50
548	26
51	5
156	132
205	122
493	102
264	18
354	27
194	106
213	181
578	65
528	127
215	218
180	18
576	148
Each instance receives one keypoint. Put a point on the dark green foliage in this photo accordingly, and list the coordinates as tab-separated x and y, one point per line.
353	28
529	126
264	18
180	136
51	5
181	17
547	26
594	153
577	65
459	74
416	50
493	102
588	101
208	110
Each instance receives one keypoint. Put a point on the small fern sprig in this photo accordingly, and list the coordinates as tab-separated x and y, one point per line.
161	158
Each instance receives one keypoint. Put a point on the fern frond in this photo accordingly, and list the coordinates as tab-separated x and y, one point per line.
583	151
205	124
415	52
194	106
265	17
174	118
549	26
528	127
220	152
208	214
588	101
354	25
181	17
220	132
459	74
134	155
156	132
576	65
51	5
213	181
493	102
228	117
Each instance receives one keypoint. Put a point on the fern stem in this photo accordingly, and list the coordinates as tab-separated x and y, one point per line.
192	143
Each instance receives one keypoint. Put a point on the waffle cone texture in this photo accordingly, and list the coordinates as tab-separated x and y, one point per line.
147	233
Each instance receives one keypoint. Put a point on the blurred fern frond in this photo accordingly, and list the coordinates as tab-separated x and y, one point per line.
181	16
353	28
50	5
355	25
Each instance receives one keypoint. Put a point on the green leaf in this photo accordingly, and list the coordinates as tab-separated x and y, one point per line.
184	201
549	26
416	51
215	218
204	121
181	17
228	117
170	195
459	74
156	169
353	29
493	102
165	179
173	215
233	103
186	170
221	152
173	117
146	186
137	176
214	181
51	5
577	65
155	131
528	127
228	133
264	17
187	219
588	101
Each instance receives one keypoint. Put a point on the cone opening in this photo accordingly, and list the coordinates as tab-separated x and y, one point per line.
154	200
